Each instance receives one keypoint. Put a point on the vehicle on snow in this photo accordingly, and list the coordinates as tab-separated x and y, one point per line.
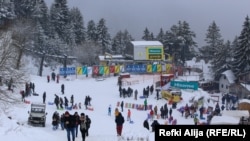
37	114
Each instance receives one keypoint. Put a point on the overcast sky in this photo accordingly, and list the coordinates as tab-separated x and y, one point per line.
136	15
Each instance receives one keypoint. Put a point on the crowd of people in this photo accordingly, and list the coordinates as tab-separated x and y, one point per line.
72	123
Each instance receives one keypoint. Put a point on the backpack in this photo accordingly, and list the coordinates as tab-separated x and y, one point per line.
83	125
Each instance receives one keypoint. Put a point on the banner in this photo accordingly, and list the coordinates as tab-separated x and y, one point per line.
101	70
117	69
79	71
149	68
159	68
67	71
95	70
112	69
85	70
185	84
106	70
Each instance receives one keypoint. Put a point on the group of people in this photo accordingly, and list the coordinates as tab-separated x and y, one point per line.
72	123
54	77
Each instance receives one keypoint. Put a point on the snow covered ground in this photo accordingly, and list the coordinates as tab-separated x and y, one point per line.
103	94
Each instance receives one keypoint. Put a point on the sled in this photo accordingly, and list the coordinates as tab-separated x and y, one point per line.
35	94
126	105
68	108
142	97
26	102
50	103
90	108
133	106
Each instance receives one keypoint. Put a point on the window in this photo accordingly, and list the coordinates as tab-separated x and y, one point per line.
222	86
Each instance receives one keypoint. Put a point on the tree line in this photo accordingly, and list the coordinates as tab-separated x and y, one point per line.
30	27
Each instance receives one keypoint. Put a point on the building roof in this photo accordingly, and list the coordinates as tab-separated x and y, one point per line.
102	57
146	43
230	76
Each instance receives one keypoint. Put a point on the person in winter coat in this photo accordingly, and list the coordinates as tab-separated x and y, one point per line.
145	104
129	115
88	122
83	126
77	122
55	120
72	100
196	120
146	124
62	88
62	121
44	97
154	123
48	78
151	113
109	110
116	112
122	104
66	102
119	120
69	123
136	93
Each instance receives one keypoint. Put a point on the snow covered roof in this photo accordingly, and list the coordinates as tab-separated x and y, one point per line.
102	57
244	101
230	76
236	113
146	43
247	86
224	120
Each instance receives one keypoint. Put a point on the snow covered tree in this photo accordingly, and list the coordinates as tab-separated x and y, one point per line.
160	36
78	25
179	42
60	20
41	16
91	31
213	40
6	12
22	33
120	42
221	60
146	35
241	59
24	8
189	43
104	38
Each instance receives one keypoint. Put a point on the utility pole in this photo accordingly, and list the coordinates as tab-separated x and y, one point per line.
65	65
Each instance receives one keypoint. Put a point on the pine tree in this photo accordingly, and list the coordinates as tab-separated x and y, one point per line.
104	38
160	36
213	40
120	42
91	31
146	35
60	20
24	8
221	60
179	43
41	15
241	62
190	44
78	25
6	12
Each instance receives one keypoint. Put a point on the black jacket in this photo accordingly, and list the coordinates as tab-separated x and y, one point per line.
146	124
119	120
70	121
